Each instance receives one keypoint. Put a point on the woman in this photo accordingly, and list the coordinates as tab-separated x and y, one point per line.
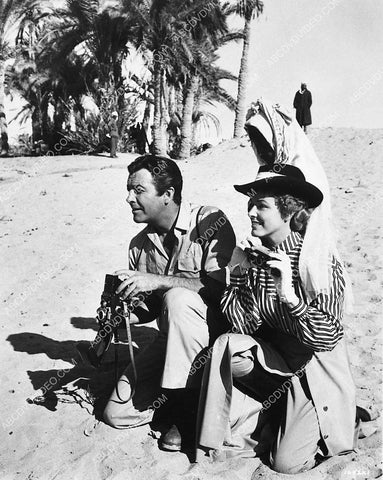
285	368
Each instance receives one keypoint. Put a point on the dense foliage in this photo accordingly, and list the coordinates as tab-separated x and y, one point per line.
154	62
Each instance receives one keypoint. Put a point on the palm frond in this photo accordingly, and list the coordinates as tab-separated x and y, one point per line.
249	8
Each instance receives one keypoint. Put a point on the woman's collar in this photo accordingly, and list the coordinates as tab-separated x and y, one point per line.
291	242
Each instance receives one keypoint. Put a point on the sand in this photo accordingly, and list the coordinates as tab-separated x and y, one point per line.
64	224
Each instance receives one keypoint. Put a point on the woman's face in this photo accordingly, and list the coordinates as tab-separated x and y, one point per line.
266	220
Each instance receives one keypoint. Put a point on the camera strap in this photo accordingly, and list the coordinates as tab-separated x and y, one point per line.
198	230
131	350
126	315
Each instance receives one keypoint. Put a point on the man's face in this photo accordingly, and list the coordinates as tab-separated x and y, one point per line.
147	206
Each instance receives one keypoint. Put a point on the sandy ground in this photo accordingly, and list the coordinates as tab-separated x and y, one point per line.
64	224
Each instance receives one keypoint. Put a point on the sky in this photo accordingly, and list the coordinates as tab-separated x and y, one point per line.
335	46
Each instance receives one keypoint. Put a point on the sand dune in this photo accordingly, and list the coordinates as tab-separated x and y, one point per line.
64	224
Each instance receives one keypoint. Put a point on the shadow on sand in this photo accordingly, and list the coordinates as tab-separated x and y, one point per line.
79	382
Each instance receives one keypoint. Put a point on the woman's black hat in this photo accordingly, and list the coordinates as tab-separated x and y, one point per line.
283	179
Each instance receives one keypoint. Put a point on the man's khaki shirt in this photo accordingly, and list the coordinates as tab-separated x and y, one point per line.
198	251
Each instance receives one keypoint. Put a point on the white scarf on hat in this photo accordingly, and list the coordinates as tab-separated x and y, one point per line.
292	147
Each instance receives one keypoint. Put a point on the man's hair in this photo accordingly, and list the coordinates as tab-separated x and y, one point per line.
165	173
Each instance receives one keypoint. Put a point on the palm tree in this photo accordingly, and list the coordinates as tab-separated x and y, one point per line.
10	11
187	116
247	9
202	90
174	58
209	94
196	58
81	52
205	75
28	75
157	22
98	38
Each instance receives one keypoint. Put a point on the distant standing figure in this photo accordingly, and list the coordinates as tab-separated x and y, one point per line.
302	104
4	146
113	131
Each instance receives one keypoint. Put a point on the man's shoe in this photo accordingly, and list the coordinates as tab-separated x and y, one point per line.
171	440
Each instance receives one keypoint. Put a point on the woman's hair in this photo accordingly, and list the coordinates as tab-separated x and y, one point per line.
264	149
290	205
165	173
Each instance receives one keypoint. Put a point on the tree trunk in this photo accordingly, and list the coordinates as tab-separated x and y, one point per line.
2	80
197	105
164	113
159	136
146	122
165	117
186	125
3	123
36	125
240	109
45	122
179	102
172	102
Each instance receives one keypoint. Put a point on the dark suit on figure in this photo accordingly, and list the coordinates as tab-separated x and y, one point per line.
302	104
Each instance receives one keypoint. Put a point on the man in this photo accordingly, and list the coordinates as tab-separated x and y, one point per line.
113	132
180	256
302	104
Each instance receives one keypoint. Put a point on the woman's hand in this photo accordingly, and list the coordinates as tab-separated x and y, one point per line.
238	263
240	260
280	270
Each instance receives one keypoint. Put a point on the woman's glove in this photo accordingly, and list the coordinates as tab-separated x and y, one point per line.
240	261
280	270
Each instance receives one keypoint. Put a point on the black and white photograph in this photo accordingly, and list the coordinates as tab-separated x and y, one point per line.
191	239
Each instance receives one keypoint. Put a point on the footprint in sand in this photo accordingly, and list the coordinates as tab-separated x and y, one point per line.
29	232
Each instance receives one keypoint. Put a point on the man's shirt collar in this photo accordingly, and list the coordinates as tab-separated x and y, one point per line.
182	222
181	227
184	216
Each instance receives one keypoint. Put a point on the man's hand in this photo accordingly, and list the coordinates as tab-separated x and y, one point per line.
136	282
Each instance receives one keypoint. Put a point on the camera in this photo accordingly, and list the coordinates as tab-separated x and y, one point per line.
259	259
110	316
110	304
